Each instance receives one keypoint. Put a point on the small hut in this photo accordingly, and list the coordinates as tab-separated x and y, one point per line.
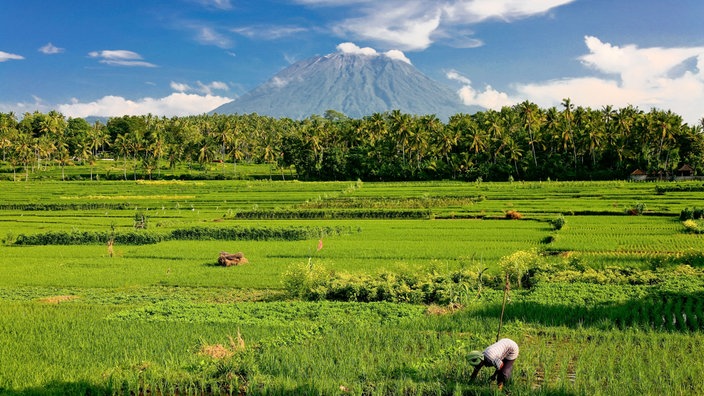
638	175
685	172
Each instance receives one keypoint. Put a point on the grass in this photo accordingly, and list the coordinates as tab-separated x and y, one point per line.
75	320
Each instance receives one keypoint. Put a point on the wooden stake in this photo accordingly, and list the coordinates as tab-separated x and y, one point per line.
503	307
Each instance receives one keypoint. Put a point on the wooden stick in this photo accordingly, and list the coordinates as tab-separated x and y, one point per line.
503	307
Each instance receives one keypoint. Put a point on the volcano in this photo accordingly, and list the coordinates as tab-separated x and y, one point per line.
356	85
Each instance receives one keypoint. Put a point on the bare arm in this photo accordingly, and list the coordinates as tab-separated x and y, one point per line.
496	372
476	371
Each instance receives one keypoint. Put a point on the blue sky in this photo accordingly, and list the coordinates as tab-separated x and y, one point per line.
180	57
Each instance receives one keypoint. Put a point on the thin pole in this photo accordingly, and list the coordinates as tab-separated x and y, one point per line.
503	307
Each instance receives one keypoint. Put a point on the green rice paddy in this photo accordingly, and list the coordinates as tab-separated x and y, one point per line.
615	306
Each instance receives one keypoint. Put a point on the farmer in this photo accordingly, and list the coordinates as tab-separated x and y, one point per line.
501	355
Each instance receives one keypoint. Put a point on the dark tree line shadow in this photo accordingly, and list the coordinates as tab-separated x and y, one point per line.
668	311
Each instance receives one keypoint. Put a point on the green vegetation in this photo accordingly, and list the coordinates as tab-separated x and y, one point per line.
351	287
522	142
187	234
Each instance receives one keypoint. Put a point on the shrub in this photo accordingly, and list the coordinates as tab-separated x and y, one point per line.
516	265
192	234
315	283
558	222
686	214
691	226
698	213
691	214
636	210
306	281
140	221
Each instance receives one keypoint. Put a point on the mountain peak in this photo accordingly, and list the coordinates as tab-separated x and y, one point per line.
354	81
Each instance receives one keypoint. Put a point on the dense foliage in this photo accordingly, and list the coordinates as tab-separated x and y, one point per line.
521	142
76	237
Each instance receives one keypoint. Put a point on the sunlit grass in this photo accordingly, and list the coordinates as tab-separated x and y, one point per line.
76	317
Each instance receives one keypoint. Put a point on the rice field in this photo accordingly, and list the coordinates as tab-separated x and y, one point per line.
612	306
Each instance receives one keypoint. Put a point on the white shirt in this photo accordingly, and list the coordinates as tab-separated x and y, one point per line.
503	349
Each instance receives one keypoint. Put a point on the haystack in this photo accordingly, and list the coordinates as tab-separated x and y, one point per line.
226	259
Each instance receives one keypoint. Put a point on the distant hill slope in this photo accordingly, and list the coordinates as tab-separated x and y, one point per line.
356	85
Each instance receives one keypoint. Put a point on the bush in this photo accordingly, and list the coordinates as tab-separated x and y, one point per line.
636	210
692	227
372	213
516	265
686	214
191	234
691	214
558	222
316	283
305	281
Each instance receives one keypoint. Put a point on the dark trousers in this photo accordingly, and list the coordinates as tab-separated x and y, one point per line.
505	372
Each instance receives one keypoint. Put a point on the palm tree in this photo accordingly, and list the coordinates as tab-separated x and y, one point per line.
666	126
426	128
531	119
86	154
207	152
235	142
63	156
124	149
401	128
156	146
477	136
495	128
8	131
446	142
568	133
98	138
137	146
377	128
514	152
23	151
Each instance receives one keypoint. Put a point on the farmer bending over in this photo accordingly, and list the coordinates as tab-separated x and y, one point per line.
500	355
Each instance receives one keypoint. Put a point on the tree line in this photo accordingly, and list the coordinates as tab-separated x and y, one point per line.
520	142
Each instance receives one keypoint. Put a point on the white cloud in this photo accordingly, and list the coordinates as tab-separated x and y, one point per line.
4	56
208	35
23	107
454	75
488	99
213	86
218	4
408	26
354	49
202	88
397	55
664	78
120	58
50	49
176	104
473	11
269	32
180	87
417	24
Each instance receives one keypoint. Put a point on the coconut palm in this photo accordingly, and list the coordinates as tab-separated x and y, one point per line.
532	120
8	132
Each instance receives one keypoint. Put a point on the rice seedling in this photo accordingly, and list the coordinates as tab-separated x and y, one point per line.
612	304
